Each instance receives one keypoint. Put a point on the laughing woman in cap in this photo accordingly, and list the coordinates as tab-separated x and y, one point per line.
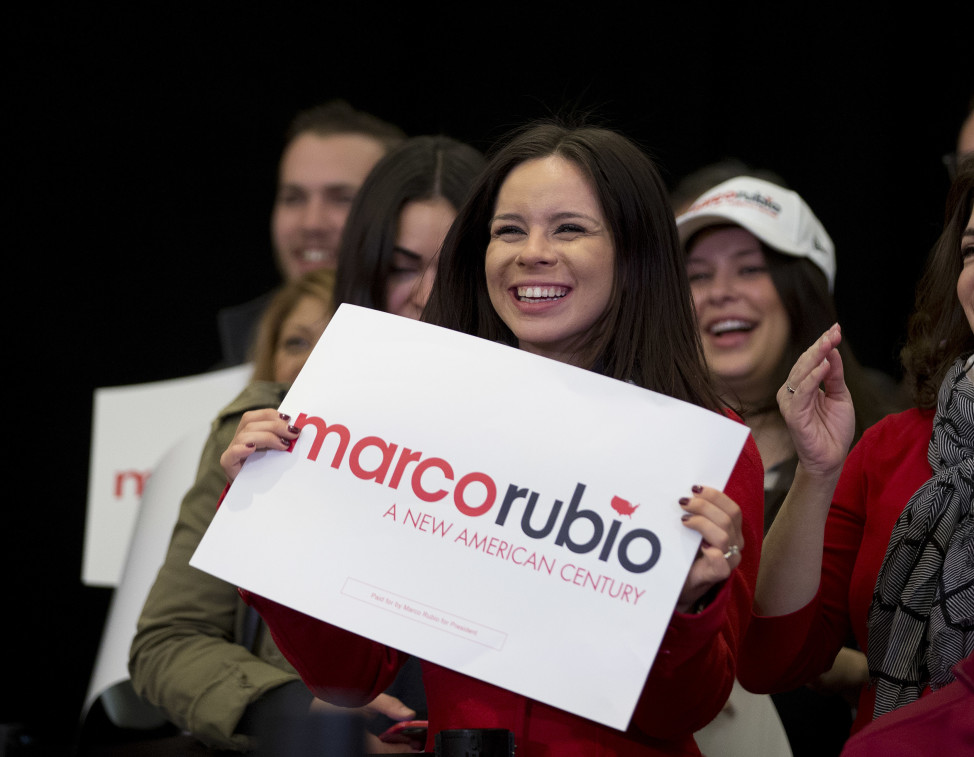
762	269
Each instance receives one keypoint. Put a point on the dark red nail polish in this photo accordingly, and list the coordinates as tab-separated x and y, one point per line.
293	429
284	416
251	444
285	442
685	517
696	488
684	501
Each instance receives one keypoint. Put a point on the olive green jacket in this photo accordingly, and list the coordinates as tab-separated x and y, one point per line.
187	657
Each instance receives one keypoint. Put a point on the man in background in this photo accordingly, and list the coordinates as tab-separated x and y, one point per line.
328	151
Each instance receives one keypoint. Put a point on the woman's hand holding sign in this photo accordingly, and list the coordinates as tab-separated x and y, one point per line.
718	520
258	429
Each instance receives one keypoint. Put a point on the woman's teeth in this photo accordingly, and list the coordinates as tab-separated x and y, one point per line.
313	256
722	327
545	294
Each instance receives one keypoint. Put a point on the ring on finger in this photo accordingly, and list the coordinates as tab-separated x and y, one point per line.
731	551
790	388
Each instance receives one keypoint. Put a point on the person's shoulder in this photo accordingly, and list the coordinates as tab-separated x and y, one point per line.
942	721
907	423
254	396
893	440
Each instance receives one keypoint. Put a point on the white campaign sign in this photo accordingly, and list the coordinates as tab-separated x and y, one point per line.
132	428
494	512
157	513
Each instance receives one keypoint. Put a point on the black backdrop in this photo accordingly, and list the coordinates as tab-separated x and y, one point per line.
141	154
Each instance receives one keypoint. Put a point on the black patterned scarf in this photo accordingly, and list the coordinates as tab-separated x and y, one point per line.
921	622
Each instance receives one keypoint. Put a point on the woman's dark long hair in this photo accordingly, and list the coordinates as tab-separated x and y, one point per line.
938	331
647	334
422	168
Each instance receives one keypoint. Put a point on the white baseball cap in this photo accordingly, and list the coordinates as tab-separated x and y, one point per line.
778	217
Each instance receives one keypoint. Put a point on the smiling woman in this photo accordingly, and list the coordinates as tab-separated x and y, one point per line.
398	221
566	247
743	323
422	226
549	266
291	325
762	269
645	332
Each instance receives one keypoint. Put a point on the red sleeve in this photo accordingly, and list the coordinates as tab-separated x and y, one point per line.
696	665
784	652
